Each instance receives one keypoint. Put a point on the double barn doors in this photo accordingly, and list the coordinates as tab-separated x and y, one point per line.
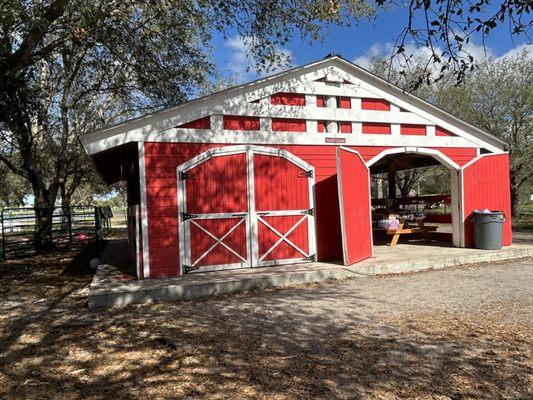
245	206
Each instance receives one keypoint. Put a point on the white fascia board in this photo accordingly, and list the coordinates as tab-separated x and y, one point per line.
274	138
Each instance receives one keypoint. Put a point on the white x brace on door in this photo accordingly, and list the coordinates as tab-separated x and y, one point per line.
245	206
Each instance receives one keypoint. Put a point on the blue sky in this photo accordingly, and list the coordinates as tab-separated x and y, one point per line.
354	43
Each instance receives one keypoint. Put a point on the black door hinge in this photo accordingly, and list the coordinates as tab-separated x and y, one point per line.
185	216
186	175
188	268
311	211
312	257
306	174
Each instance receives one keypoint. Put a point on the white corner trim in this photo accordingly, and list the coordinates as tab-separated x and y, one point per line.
144	211
439	156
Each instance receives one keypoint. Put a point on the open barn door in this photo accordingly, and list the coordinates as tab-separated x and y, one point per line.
485	184
353	180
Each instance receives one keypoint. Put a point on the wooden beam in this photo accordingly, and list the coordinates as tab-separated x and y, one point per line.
391	170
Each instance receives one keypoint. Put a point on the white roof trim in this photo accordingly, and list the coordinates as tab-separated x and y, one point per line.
142	128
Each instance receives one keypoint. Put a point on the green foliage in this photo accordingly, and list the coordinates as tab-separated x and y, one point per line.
72	67
496	96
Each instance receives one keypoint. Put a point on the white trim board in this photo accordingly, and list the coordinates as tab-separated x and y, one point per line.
141	129
280	138
144	212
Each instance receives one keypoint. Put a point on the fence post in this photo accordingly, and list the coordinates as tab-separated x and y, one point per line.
3	236
96	222
69	221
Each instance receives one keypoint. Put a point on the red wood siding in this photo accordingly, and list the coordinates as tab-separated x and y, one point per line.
288	125
241	123
442	132
354	193
345	127
345	102
218	186
375	104
288	99
458	154
320	101
486	185
290	192
202	123
413	130
376	128
162	159
201	242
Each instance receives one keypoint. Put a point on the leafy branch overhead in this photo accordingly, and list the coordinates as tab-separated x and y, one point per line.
447	27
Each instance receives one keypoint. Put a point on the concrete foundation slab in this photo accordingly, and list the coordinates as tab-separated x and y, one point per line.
111	287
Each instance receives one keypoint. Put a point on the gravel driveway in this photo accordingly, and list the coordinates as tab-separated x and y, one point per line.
459	333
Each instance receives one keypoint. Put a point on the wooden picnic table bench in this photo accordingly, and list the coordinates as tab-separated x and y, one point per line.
404	229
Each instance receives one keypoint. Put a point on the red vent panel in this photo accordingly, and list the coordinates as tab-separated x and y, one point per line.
442	132
413	130
288	99
375	104
376	128
241	123
345	102
202	123
345	127
288	125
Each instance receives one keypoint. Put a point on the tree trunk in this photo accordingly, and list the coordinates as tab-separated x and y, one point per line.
44	211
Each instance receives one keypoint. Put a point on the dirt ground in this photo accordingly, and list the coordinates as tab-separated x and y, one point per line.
459	333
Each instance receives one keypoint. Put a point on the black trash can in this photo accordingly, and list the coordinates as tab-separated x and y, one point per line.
488	229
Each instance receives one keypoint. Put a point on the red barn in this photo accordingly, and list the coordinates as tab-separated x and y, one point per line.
277	171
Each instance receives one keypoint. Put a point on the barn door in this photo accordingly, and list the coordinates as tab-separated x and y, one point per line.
214	214
245	206
485	184
283	211
353	181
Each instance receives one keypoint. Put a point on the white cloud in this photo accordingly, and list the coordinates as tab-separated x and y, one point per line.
527	48
242	65
478	52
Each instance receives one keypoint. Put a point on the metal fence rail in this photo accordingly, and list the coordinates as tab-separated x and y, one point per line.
69	226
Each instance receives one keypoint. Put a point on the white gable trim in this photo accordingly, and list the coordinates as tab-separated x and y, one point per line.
301	80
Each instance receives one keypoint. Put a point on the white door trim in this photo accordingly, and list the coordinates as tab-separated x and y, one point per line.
251	214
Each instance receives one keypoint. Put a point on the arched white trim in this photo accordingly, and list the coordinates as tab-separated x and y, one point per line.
455	184
436	154
226	150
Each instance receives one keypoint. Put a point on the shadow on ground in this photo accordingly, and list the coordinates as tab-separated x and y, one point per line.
317	341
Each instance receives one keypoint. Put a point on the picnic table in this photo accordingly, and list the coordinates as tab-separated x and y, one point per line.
405	229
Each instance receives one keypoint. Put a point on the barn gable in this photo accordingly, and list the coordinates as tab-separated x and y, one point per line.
329	102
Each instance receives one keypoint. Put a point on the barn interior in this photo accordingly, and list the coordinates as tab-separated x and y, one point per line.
408	206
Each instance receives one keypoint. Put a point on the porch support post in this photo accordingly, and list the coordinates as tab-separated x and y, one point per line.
392	179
